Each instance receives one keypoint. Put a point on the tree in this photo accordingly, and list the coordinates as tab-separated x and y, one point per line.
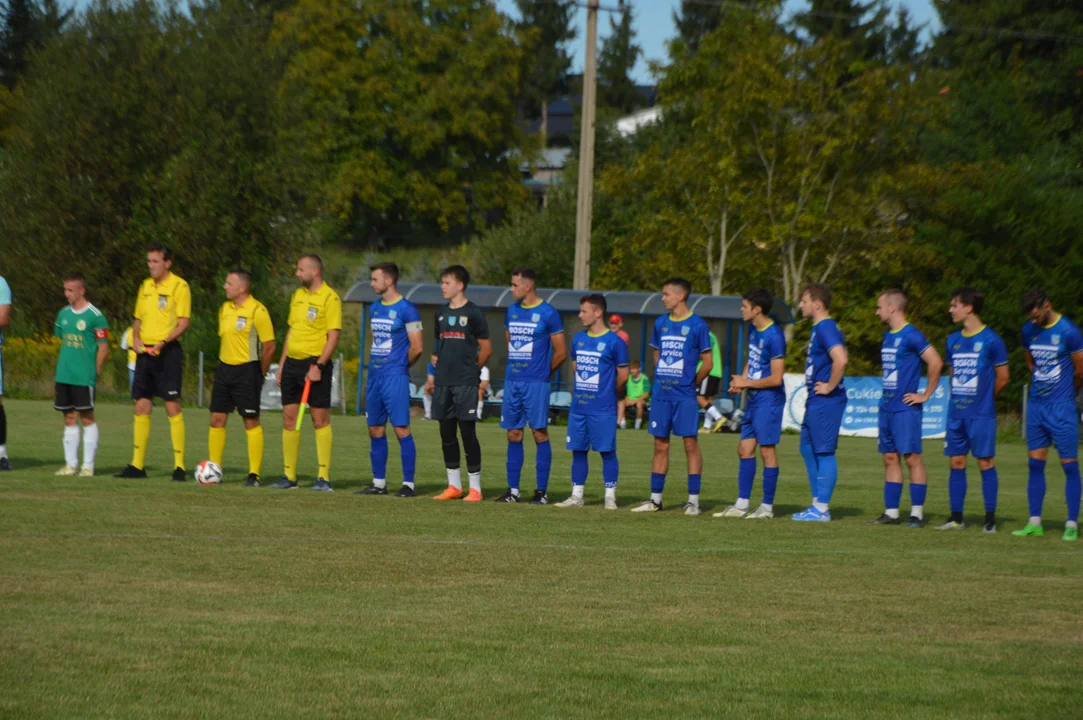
401	117
545	27
19	35
694	21
615	64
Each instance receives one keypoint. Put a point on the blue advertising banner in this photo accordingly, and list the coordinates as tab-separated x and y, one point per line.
863	406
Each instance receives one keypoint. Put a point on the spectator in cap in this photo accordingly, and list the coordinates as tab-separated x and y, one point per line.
616	324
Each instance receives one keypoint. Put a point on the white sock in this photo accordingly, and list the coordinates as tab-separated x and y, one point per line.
3	451
918	511
409	485
657	498
742	503
611	492
90	444
822	507
694	500
71	445
712	412
514	491
707	420
379	482
767	506
1035	520
623	424
577	491
893	513
426	400
639	421
1072	524
481	406
454	479
475	481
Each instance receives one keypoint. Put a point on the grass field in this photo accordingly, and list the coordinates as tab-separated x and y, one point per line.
149	598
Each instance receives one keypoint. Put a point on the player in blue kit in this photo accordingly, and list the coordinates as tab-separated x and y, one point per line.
680	340
978	362
600	365
902	352
825	368
536	347
762	424
396	345
1054	355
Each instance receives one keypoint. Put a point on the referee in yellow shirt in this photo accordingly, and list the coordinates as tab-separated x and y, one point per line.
248	344
314	326
163	308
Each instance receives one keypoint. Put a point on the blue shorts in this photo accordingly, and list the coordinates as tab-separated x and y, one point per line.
591	432
823	420
763	424
976	435
1055	424
900	432
388	396
674	417
525	403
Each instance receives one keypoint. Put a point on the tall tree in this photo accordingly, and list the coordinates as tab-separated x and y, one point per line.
694	20
18	37
545	28
615	64
862	25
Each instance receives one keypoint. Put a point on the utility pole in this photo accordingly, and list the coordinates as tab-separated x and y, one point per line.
585	196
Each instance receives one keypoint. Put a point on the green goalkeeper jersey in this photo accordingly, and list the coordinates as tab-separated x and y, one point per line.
80	334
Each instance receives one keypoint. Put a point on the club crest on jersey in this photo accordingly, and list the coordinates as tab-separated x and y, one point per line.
462	321
684	330
392	315
536	317
81	325
242	323
312	312
977	346
601	346
1056	339
897	341
163	301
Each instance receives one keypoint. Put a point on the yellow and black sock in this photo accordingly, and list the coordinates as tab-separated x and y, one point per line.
255	449
141	437
176	431
291	446
323	451
216	444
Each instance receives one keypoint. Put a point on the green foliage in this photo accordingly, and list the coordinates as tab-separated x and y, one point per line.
616	61
545	28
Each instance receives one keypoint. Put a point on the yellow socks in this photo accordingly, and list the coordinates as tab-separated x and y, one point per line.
141	438
216	444
291	446
323	451
255	448
176	431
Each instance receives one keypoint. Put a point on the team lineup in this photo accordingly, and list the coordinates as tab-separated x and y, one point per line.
607	388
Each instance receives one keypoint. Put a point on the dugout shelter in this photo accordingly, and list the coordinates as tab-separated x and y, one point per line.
638	309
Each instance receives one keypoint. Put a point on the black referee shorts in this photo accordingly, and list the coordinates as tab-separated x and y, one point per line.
293	383
237	387
159	375
455	402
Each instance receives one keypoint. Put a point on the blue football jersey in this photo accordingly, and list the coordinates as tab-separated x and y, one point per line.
529	350
973	361
1052	348
825	336
430	369
679	344
763	347
390	326
900	356
597	358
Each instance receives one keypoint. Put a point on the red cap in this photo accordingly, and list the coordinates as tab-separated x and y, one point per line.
615	318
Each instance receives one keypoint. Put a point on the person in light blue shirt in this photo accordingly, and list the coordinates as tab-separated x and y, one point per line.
1054	355
5	315
600	364
536	348
978	362
903	350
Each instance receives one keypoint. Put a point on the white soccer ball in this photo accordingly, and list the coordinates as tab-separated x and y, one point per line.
208	473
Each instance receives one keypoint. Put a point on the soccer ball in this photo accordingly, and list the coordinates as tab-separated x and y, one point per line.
208	473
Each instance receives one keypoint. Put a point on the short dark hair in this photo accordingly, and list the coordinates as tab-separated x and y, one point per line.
459	273
75	277
166	252
818	291
897	296
969	296
681	283
526	273
596	300
315	260
244	275
387	268
1034	298
633	364
758	297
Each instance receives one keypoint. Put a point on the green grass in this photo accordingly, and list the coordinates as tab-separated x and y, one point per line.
155	599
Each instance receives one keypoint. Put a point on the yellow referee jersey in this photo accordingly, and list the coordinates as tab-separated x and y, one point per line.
242	329
312	315
159	305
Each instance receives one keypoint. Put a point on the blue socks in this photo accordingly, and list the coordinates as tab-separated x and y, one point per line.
694	482
1036	486
990	486
515	464
610	468
917	494
812	466
542	464
378	457
408	453
957	489
1072	489
746	476
580	467
770	484
827	477
658	482
892	495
